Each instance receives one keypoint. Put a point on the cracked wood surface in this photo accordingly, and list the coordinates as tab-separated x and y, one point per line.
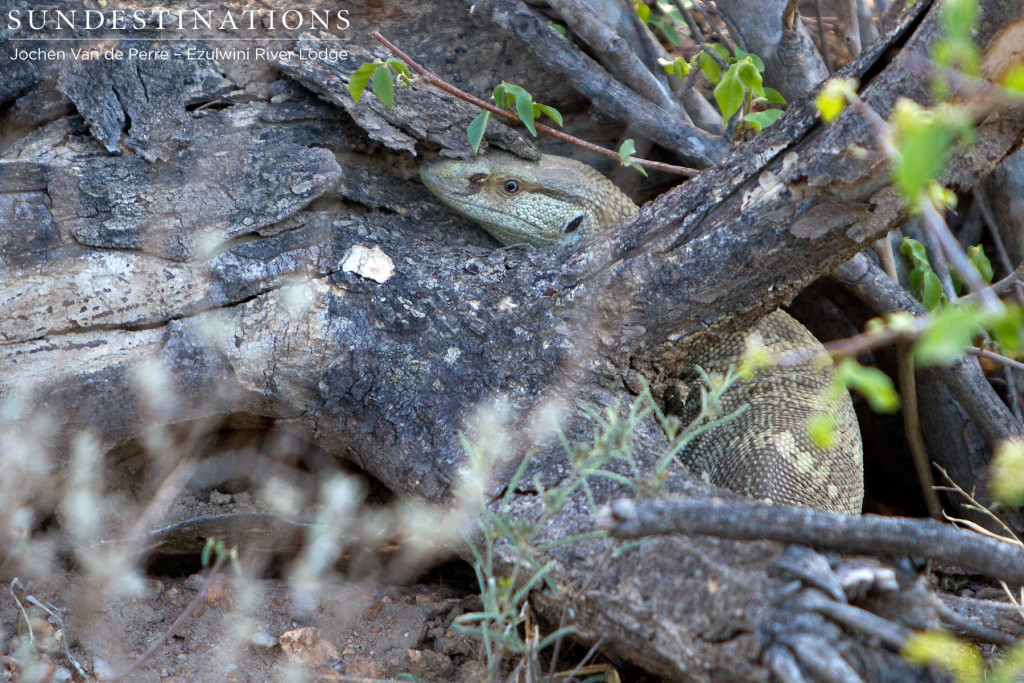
241	302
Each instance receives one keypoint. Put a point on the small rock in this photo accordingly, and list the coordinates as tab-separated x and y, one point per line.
305	646
428	665
218	498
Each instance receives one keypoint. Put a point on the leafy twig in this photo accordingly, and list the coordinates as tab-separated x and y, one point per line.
437	82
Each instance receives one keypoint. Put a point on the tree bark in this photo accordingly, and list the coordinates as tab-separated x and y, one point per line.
254	271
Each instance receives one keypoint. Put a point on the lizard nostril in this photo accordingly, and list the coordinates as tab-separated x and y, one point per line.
573	225
478	178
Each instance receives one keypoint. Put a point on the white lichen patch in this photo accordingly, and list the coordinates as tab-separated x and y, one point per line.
452	355
368	262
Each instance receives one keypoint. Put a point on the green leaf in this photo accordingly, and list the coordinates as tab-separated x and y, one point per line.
642	10
915	253
930	292
626	152
871	383
959	17
976	255
710	67
476	130
762	119
1007	329
944	652
774	96
384	86
524	107
729	94
668	29
721	51
951	331
677	67
750	77
921	158
831	101
1013	79
559	28
550	112
399	66
1006	477
823	431
499	95
357	81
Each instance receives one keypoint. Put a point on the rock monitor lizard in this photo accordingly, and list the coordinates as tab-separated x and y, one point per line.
766	452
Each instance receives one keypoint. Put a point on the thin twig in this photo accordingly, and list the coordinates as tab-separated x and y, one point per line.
821	38
437	82
997	240
998	357
978	507
712	10
173	628
908	391
933	222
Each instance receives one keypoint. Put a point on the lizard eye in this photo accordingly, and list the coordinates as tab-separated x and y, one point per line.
511	186
573	225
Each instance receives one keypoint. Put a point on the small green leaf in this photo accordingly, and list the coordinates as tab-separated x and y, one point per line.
677	67
762	119
922	155
959	17
399	66
1007	329
1007	473
915	253
945	652
476	130
357	82
499	95
976	255
559	28
823	430
871	383
721	51
1014	79
729	94
524	107
626	152
951	331
550	112
668	29
384	86
642	10
710	67
750	77
831	101
930	292
774	96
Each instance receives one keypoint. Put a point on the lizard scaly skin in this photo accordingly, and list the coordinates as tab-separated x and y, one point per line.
766	452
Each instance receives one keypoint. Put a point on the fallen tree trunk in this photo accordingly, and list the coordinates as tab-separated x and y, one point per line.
253	271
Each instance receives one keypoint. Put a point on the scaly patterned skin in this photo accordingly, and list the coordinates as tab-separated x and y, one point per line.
765	452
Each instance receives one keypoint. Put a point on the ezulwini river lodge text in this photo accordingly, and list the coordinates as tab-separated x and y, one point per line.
86	54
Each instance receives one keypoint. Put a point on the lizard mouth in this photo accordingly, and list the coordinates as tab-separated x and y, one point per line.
441	183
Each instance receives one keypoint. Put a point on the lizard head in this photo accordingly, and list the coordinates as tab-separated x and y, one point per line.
528	202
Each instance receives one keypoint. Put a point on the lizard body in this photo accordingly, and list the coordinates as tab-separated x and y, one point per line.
765	452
